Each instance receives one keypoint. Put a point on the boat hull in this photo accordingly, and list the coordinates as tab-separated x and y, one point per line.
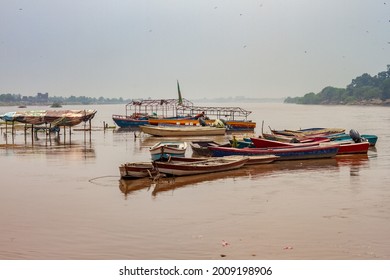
348	147
167	131
232	125
137	170
168	149
200	167
282	153
126	121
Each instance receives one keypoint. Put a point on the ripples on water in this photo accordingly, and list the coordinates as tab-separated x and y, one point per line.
62	200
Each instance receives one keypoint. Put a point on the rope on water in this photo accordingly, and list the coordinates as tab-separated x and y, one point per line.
100	177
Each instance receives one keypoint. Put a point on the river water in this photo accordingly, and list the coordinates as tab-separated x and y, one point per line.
63	198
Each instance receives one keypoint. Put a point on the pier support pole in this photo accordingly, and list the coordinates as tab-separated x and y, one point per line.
12	132
90	131
64	134
50	133
32	134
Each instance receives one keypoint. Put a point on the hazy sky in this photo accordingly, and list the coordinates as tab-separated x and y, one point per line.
139	48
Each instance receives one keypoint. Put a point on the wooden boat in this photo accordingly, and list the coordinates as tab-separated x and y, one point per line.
233	125
200	147
289	153
267	143
136	170
133	170
254	160
315	131
372	139
130	121
210	165
163	131
347	147
350	147
167	149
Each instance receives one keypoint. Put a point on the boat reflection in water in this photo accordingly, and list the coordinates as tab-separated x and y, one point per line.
355	162
129	187
76	151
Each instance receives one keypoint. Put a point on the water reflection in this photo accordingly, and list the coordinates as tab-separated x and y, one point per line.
75	151
253	172
354	162
128	187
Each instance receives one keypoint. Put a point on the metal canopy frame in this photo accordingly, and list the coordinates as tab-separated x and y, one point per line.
162	107
171	108
227	113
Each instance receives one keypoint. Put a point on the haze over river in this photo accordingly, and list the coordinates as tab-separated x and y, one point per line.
66	201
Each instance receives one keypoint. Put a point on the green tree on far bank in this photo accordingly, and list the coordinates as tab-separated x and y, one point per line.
361	89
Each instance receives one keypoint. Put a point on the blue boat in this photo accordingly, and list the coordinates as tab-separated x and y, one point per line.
372	139
129	121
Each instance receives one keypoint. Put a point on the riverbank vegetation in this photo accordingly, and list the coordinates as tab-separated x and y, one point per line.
363	90
10	99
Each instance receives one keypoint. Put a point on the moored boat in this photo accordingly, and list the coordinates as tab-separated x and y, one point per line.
233	125
347	147
350	147
199	147
315	131
262	159
167	149
210	165
163	131
310	152
267	143
129	121
133	170
372	139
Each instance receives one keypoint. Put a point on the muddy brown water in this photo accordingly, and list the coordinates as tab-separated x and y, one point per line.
61	200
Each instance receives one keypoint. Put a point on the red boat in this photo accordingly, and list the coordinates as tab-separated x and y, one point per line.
345	147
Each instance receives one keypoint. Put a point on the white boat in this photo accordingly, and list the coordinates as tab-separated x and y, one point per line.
165	149
182	130
200	167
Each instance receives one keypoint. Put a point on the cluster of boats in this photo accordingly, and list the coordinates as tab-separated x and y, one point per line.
168	157
150	115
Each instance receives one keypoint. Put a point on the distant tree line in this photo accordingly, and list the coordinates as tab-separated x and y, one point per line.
361	90
17	99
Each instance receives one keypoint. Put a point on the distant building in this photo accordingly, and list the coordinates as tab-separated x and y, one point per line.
39	98
42	97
